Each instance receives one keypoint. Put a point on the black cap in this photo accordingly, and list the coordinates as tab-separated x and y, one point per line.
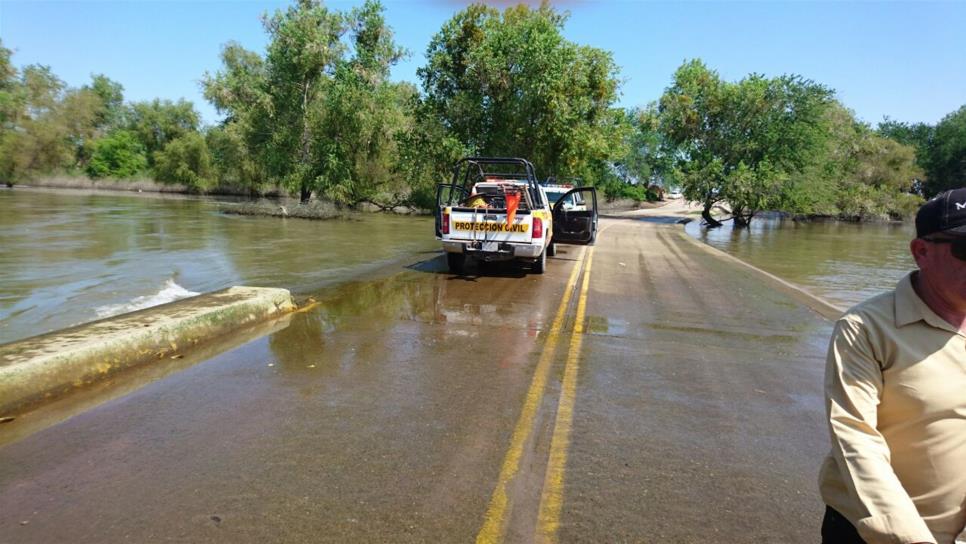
944	214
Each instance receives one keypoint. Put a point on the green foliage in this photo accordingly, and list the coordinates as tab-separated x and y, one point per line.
510	84
940	150
118	155
318	111
157	122
361	116
11	95
233	166
947	154
35	138
427	152
110	94
80	112
874	176
742	143
648	159
185	160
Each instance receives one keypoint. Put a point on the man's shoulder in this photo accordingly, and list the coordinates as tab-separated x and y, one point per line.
877	311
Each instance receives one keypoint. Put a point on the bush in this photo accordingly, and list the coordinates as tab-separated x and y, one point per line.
185	160
118	155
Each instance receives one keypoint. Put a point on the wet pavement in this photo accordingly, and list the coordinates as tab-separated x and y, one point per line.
420	406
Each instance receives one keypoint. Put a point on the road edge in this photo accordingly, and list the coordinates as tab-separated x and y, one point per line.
823	307
41	368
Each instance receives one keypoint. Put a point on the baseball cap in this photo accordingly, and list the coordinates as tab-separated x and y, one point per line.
945	213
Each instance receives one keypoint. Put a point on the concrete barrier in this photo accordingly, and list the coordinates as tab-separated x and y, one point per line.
42	367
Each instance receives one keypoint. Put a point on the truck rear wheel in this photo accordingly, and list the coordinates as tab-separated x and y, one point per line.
541	264
455	262
551	249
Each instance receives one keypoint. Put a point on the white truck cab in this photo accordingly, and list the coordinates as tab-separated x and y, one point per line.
494	210
573	201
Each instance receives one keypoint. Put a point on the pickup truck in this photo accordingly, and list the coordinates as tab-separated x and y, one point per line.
494	210
555	193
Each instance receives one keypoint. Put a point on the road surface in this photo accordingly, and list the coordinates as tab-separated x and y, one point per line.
642	390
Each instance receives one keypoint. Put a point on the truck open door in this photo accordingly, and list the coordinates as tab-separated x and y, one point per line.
447	194
575	217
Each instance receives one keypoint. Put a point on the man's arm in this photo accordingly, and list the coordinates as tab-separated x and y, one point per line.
853	386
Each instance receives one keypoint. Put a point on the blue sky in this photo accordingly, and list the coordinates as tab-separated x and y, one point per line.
902	60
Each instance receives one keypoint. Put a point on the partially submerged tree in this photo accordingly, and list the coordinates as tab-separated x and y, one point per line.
740	143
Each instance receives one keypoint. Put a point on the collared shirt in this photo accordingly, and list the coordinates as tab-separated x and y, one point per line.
895	386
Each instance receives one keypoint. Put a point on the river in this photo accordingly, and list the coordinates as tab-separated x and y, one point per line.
845	263
71	257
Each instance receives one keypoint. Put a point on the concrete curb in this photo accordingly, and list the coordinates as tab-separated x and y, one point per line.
39	368
821	306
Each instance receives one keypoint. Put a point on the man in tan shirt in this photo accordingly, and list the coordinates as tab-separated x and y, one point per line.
896	397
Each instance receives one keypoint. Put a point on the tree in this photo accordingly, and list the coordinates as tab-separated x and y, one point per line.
318	110
36	139
118	155
741	143
185	160
80	112
11	92
274	98
157	122
649	157
11	110
946	164
917	135
426	154
110	94
510	84
231	162
362	116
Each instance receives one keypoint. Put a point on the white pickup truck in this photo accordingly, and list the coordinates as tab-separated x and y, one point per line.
494	210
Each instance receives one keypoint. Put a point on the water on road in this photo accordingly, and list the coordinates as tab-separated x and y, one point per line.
70	258
845	263
427	407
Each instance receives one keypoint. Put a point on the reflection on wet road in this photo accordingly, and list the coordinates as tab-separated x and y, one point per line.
389	413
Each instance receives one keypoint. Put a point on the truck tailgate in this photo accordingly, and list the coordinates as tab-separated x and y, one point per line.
489	226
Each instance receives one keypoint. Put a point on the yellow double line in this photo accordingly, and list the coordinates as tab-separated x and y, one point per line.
551	501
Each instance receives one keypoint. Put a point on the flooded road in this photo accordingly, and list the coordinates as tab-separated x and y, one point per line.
641	391
69	258
845	263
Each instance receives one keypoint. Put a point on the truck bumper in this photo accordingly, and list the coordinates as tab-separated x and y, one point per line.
505	253
529	252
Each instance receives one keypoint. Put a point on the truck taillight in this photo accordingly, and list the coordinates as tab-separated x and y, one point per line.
445	223
537	228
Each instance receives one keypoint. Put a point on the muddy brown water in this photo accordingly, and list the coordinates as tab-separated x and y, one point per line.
845	263
69	257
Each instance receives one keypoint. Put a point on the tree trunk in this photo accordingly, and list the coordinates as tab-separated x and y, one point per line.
743	220
711	222
304	157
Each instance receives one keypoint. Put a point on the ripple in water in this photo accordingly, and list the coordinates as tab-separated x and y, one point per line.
169	292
